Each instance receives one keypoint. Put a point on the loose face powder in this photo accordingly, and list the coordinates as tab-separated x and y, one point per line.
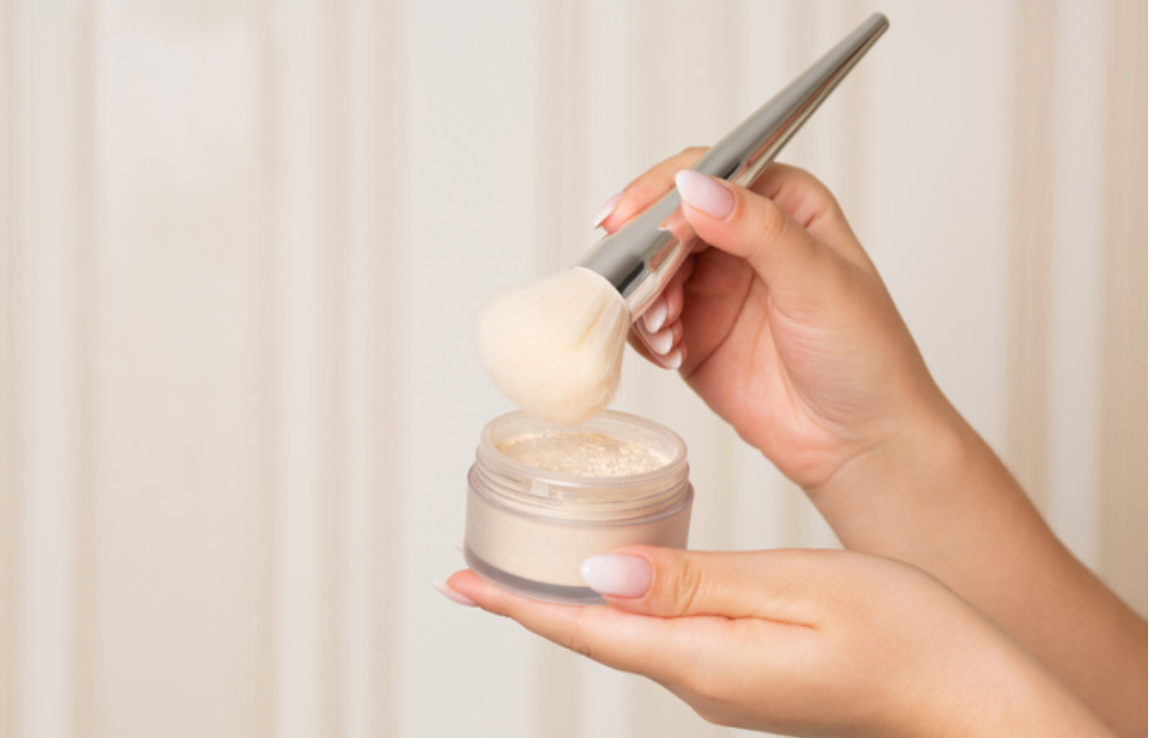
584	454
542	498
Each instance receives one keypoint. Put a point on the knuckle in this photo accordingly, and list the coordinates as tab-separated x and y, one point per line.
577	644
685	587
769	220
657	180
822	203
825	209
575	638
650	186
692	152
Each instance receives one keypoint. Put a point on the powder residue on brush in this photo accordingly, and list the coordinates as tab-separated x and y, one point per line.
554	347
583	454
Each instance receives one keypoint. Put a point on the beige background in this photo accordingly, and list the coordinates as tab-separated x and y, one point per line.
241	245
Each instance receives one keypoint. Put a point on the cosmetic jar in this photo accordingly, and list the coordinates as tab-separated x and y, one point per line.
617	479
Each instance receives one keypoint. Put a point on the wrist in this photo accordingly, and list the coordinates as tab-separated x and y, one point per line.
934	441
923	494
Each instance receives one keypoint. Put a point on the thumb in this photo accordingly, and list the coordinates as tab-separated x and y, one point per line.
795	265
668	582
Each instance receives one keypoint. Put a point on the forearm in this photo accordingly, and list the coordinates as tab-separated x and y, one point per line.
940	499
1011	695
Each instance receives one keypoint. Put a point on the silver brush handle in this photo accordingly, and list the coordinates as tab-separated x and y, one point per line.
640	258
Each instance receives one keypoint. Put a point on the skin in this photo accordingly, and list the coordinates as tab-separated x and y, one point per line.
814	643
785	328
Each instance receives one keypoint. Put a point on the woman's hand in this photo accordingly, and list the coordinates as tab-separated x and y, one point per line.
783	326
781	323
803	643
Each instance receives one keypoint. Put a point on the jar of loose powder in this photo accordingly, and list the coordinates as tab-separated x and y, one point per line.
542	498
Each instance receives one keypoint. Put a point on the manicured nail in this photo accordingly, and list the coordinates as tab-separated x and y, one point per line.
673	360
705	194
452	595
656	315
620	576
661	342
608	208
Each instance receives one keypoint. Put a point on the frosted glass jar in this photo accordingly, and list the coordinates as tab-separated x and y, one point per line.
530	529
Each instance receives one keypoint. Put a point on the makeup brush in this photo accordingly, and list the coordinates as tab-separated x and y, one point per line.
555	347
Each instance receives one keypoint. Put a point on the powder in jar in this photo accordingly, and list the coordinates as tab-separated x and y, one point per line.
583	454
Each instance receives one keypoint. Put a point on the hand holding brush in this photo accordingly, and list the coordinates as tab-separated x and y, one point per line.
554	347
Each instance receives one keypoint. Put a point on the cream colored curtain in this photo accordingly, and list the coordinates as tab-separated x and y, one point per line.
242	243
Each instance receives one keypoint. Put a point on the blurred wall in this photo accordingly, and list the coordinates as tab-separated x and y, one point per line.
241	245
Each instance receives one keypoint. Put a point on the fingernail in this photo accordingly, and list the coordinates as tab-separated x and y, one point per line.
608	208
656	315
704	194
452	595
673	360
661	342
620	576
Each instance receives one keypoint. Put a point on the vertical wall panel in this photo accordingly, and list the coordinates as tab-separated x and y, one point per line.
263	376
11	198
1028	315
333	240
300	602
48	364
1077	187
176	582
365	496
1122	487
386	202
86	69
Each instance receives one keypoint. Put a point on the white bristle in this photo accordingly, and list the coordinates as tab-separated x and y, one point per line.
555	347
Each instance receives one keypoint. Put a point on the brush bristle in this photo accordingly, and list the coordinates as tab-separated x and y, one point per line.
555	347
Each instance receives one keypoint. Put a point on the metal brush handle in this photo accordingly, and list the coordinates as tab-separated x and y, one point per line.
640	259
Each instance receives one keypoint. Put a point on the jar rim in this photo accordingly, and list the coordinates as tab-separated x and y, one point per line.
532	490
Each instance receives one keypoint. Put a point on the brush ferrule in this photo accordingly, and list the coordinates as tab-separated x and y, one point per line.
641	258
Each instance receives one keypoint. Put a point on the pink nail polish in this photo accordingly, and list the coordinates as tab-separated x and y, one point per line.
656	315
451	594
607	208
673	360
661	342
620	576
704	194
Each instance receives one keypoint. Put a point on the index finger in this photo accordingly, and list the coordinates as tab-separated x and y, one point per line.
647	188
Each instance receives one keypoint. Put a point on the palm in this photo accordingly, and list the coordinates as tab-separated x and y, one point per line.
779	382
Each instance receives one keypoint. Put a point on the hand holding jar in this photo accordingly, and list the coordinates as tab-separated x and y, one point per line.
802	643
